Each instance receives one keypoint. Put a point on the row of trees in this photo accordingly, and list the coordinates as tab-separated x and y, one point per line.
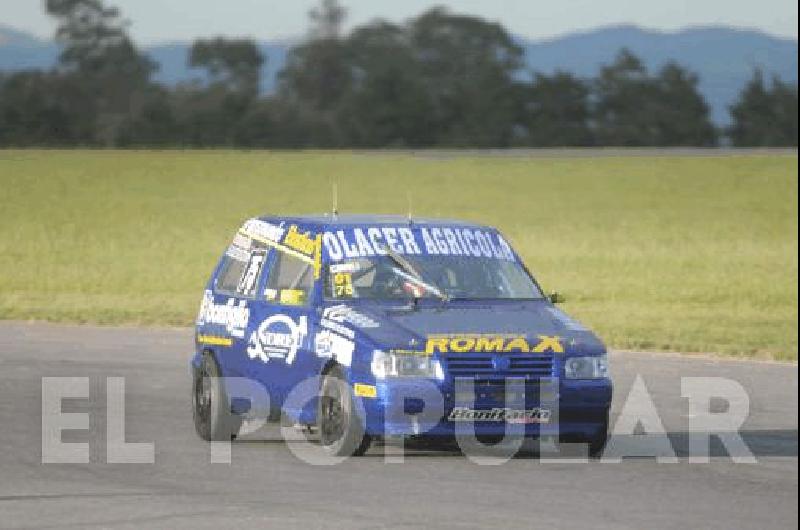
440	80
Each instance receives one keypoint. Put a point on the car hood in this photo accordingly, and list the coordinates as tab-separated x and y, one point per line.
408	328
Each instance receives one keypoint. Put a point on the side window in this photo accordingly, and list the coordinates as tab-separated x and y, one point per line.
290	280
240	272
230	273
249	282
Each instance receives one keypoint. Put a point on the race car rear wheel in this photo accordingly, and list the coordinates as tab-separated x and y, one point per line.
341	430
213	419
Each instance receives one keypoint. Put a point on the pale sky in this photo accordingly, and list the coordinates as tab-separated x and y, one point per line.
169	20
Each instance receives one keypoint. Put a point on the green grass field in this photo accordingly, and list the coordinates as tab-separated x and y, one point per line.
658	253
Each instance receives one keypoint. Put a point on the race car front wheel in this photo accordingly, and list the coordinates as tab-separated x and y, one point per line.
341	429
213	419
597	443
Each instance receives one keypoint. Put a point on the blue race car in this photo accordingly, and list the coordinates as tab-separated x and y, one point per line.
404	328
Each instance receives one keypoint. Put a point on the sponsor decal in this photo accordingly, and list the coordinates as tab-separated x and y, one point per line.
346	314
330	345
237	253
301	242
491	343
258	229
341	329
444	241
343	285
214	341
537	415
364	390
306	245
278	337
247	285
291	241
232	315
292	297
350	266
242	241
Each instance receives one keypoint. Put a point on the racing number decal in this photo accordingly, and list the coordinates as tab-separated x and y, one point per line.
343	285
247	285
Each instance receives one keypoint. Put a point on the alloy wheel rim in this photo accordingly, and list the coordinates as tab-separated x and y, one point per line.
332	419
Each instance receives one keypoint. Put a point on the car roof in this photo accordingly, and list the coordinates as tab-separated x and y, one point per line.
357	220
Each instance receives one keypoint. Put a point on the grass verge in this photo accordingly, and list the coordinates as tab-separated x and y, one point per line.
657	253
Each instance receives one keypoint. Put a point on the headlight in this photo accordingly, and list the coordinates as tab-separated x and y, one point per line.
595	367
386	365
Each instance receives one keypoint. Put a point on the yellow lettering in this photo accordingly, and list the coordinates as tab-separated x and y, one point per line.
367	391
343	285
437	342
489	344
293	297
215	341
549	343
462	344
301	242
517	343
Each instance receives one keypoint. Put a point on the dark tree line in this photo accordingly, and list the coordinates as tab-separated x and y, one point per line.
440	80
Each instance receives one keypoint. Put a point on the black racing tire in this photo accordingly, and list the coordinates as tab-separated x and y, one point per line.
211	407
341	429
490	439
597	443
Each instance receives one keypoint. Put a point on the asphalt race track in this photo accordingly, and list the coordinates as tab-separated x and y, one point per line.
267	486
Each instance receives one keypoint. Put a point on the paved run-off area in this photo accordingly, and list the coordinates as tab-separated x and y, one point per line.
267	486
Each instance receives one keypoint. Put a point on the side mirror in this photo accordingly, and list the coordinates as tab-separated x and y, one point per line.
557	298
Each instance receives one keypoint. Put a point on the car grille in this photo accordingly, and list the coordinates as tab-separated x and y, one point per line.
528	366
502	390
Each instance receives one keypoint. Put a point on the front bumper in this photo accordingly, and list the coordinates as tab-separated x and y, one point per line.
422	407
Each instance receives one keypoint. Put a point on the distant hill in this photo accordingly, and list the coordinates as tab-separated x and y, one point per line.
172	58
20	51
723	57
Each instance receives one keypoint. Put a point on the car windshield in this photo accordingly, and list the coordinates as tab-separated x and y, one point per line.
447	277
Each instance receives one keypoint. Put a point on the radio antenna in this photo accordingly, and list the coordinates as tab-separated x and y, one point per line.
335	198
